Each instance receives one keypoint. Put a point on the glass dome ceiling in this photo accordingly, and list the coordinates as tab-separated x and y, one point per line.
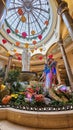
29	19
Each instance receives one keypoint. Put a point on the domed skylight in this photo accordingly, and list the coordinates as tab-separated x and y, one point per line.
29	19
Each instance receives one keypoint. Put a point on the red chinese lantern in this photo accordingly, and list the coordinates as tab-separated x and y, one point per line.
24	34
4	41
20	11
34	42
8	31
50	56
40	36
40	57
17	43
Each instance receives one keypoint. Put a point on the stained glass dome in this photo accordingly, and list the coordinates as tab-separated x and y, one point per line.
29	19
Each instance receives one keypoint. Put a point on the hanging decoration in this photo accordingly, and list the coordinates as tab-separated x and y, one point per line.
26	45
40	57
20	11
14	50
46	22
19	57
4	41
8	53
32	32
32	50
24	34
50	56
17	43
41	49
23	19
8	31
16	54
40	36
16	31
34	42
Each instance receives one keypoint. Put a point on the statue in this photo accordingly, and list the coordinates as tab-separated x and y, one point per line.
49	73
25	60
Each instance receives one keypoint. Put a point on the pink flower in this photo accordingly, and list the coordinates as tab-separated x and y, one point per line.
8	31
4	41
40	36
24	34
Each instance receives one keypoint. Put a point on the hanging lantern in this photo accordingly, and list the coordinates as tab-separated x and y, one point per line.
24	34
32	50
14	50
46	22
16	54
16	31
32	32
17	43
26	45
23	19
19	57
50	56
40	36
41	49
34	42
8	31
8	53
4	41
20	11
40	57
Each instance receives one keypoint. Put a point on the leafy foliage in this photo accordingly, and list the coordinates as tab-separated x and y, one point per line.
13	76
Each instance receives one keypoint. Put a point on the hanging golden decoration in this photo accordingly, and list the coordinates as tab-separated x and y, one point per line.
23	19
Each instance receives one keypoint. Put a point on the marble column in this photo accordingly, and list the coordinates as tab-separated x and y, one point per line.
8	66
63	11
67	66
4	4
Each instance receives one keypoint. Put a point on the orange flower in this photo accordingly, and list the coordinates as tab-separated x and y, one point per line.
20	11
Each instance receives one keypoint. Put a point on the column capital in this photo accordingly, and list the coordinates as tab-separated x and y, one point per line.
62	7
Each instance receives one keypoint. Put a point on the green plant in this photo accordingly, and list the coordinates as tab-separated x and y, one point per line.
13	76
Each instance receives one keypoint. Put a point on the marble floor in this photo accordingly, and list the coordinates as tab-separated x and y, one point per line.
5	125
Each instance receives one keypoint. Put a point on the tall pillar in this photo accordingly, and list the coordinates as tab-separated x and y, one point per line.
4	4
64	12
67	66
8	66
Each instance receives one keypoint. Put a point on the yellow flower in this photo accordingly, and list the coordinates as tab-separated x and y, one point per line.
2	87
14	95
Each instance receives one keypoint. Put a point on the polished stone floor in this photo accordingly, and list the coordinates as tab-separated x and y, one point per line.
5	125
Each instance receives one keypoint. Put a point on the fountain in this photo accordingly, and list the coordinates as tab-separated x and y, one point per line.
26	74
